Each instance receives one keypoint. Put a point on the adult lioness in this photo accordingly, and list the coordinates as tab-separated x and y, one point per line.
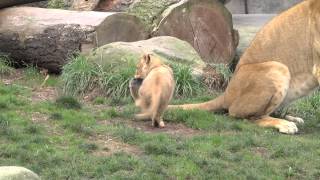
155	91
281	65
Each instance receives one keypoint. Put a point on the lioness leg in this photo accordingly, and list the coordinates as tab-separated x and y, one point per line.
282	125
294	119
261	94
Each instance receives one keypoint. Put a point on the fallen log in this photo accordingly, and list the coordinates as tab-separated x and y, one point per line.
48	37
9	3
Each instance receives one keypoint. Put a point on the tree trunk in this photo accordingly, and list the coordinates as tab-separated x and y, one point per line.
8	3
48	37
205	24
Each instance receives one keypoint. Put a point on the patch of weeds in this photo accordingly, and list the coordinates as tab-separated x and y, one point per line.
128	111
32	129
127	135
79	76
120	100
186	84
99	100
4	124
5	65
149	11
111	113
307	108
68	102
115	78
88	147
216	76
53	81
3	105
120	162
56	4
161	145
56	116
78	122
197	119
10	101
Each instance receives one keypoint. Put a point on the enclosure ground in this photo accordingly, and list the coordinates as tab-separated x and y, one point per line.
59	139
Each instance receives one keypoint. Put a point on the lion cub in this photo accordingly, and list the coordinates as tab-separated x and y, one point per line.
152	88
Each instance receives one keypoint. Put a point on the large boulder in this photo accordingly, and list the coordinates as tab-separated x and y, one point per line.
17	173
205	24
170	49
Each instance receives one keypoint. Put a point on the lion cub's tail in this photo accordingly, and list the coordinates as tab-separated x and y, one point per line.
213	105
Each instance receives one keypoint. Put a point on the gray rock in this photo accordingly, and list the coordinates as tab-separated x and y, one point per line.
168	48
17	173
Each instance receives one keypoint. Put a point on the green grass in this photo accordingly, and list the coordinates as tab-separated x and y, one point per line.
5	65
186	84
81	76
64	143
56	4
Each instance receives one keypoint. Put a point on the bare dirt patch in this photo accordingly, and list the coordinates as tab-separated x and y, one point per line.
107	146
44	94
10	78
261	151
145	126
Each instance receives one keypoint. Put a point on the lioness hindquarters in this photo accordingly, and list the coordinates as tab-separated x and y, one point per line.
156	89
257	90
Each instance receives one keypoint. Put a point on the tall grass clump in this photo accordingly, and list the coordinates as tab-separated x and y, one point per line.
79	76
187	85
5	65
115	78
217	76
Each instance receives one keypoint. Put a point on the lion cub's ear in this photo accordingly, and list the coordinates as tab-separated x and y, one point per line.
147	58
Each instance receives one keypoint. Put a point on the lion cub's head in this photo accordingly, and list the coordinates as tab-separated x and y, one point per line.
145	65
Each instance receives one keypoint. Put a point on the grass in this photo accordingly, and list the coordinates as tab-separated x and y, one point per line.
186	84
5	65
81	76
67	143
56	4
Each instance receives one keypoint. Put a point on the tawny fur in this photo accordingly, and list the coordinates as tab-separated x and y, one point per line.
281	65
156	89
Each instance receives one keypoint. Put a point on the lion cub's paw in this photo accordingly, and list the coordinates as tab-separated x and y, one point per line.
287	127
294	119
158	124
161	124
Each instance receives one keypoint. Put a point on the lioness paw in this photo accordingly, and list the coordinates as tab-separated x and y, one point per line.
294	119
287	127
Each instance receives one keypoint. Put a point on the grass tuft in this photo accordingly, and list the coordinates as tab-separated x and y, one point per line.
68	102
186	84
5	65
56	4
79	76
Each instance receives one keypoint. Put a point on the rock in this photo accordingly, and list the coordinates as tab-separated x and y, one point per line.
205	24
17	173
168	48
